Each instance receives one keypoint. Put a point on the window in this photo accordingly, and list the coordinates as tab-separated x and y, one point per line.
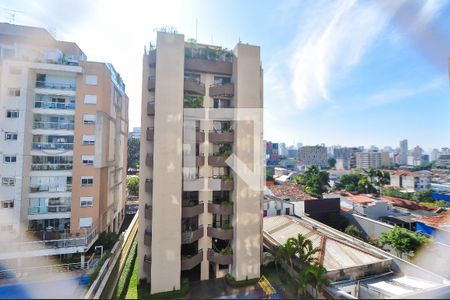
85	222
90	99
12	114
7	204
11	136
15	70
221	80
9	158
87	160
278	212
14	92
8	181
88	139
87	180
287	211
91	79
89	119
86	201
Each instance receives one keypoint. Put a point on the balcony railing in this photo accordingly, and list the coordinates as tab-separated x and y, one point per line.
148	185
221	259
149	160
226	184
194	86
220	233
190	236
200	160
220	137
224	208
217	160
150	133
54	105
49	209
148	237
208	66
55	85
52	146
151	83
225	89
50	167
152	57
148	212
150	108
147	264
199	136
189	262
193	210
50	188
53	125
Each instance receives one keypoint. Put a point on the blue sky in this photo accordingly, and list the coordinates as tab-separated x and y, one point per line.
336	72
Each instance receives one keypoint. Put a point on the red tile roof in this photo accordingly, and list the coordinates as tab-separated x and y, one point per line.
409	204
441	221
361	199
403	173
290	190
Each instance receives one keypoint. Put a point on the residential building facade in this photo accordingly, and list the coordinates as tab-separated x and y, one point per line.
64	124
200	219
367	160
403	158
346	156
272	154
313	155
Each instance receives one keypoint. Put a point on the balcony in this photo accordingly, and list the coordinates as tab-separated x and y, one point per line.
49	209
52	146
220	233
150	108
190	211
189	262
150	133
208	66
53	125
221	259
217	160
147	264
151	83
51	188
152	57
194	184
147	237
199	137
50	167
149	160
221	137
190	236
148	185
224	208
55	85
195	87
200	160
226	89
148	212
54	105
226	185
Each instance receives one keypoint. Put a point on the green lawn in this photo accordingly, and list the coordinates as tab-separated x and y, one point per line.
132	292
129	273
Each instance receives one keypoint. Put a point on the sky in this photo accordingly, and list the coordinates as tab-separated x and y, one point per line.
335	72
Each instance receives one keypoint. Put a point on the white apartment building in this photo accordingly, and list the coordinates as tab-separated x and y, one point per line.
313	155
367	160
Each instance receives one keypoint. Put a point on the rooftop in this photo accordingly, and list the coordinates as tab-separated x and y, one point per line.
360	198
291	190
441	221
409	204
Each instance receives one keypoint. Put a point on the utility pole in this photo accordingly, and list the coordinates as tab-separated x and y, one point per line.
12	14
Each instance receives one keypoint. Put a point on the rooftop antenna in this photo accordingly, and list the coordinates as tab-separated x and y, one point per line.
12	14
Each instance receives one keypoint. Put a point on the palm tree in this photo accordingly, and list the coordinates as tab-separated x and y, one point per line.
382	179
370	173
279	255
316	276
365	183
304	248
302	283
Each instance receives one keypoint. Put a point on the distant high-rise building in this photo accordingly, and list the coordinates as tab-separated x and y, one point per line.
347	155
272	153
445	151
434	155
199	219
403	159
283	149
313	155
292	152
373	148
299	145
367	160
135	134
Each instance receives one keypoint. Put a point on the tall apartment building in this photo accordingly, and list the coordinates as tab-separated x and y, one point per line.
403	158
347	156
272	155
63	144
200	219
367	160
313	155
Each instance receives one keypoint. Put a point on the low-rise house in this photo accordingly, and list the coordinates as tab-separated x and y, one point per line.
410	181
283	179
437	226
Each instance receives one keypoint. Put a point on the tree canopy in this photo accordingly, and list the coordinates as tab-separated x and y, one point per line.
314	181
133	153
402	240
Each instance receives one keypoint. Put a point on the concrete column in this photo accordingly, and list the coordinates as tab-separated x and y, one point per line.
82	261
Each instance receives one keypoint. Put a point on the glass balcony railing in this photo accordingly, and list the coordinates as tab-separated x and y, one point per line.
52	146
53	125
50	167
55	85
37	210
54	105
50	188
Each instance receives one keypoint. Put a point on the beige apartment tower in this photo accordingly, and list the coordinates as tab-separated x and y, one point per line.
63	143
200	211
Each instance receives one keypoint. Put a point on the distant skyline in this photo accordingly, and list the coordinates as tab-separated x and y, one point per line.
335	72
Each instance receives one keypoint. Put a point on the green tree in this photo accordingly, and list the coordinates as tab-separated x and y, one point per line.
332	162
303	249
424	196
382	178
364	184
316	275
314	181
353	231
133	153
133	185
354	183
402	240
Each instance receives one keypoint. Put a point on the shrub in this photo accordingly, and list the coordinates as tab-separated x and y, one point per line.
94	274
226	251
227	226
107	239
353	231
